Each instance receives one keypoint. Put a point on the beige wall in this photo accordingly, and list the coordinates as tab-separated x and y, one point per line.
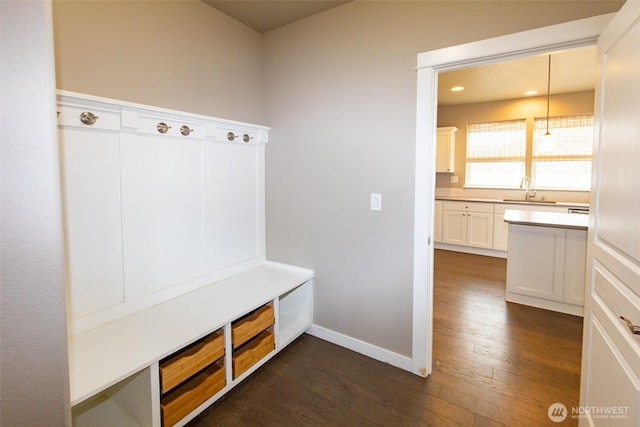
341	100
183	55
339	92
523	108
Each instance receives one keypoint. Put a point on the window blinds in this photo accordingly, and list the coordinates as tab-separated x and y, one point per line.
496	141
572	138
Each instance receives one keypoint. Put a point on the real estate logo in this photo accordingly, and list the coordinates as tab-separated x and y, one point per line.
557	412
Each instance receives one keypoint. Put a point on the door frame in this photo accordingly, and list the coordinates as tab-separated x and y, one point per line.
583	32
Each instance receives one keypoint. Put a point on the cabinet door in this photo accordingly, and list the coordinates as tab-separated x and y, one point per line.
480	230
445	150
500	233
575	256
535	262
92	215
454	227
437	222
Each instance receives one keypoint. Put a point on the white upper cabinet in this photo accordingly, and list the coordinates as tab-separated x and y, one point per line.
446	149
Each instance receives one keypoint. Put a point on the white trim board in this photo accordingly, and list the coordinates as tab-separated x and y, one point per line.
572	34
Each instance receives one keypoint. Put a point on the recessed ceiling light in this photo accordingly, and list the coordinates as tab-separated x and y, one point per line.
531	92
457	88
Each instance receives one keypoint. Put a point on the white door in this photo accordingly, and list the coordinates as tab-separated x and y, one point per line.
611	353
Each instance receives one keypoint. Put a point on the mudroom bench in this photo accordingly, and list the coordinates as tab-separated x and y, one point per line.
163	365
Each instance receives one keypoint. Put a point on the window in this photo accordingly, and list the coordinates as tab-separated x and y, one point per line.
496	153
566	162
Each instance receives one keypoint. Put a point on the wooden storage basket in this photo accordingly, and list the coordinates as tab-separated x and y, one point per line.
186	363
252	352
184	399
251	325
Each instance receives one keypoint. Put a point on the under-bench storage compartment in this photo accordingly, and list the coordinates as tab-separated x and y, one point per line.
184	399
247	327
189	361
250	353
191	376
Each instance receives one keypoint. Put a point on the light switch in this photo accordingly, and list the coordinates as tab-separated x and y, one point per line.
454	179
376	201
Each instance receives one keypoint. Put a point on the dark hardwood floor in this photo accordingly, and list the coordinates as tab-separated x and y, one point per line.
495	363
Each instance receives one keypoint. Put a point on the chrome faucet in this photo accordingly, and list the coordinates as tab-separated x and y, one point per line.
526	183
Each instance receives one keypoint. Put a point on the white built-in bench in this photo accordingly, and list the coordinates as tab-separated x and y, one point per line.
114	367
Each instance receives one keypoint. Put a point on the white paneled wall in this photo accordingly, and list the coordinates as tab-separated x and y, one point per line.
157	203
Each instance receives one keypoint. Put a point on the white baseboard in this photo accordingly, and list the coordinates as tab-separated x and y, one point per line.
369	350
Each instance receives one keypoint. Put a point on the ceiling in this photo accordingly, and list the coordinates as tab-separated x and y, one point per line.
571	71
266	15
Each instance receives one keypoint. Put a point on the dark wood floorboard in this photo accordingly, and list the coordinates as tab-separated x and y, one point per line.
495	364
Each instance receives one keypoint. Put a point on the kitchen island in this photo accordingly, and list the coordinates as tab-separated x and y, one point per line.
546	260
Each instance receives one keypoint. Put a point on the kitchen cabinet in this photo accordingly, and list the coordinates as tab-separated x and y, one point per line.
437	222
445	149
546	265
501	228
467	224
500	232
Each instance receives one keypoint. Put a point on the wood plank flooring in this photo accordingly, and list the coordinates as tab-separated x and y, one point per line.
495	364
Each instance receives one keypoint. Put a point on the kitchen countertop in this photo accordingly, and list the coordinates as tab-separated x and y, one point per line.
510	201
547	219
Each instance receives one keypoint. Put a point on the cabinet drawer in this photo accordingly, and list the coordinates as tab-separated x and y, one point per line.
251	325
191	394
189	361
467	206
252	352
618	299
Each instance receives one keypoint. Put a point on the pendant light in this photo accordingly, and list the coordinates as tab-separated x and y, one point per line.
547	139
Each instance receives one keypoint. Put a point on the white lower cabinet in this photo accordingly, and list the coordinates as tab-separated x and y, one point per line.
545	267
454	227
467	224
478	227
500	232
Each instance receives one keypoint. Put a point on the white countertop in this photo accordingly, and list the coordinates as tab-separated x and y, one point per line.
547	219
511	201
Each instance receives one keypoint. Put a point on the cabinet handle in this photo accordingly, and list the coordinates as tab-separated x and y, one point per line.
633	328
246	137
185	130
231	136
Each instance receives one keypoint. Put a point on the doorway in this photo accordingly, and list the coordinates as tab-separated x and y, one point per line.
557	37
